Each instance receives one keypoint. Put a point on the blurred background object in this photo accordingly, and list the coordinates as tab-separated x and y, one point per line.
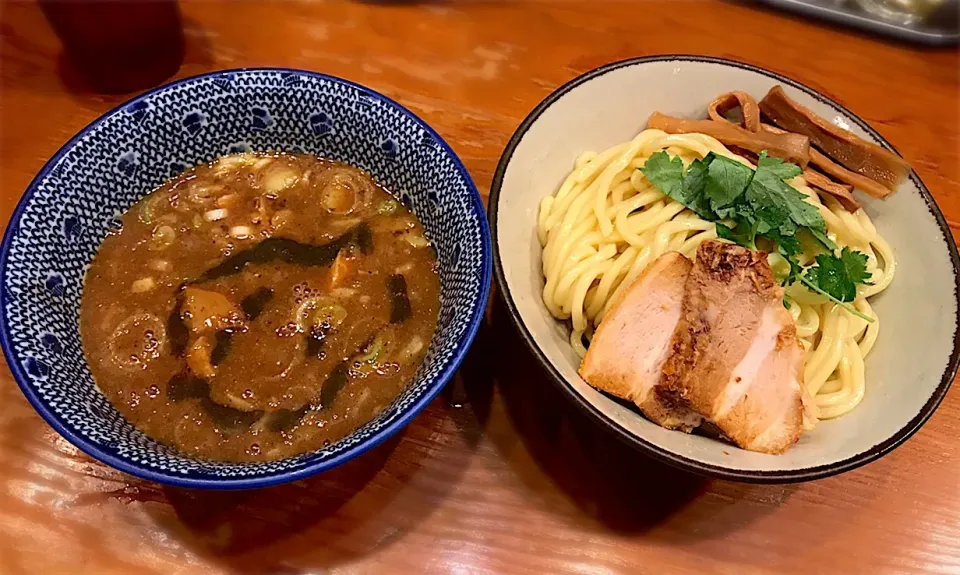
119	46
932	22
900	11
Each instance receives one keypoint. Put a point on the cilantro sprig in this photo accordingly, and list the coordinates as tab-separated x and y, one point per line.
761	204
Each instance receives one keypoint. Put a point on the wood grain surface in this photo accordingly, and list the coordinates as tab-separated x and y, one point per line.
499	474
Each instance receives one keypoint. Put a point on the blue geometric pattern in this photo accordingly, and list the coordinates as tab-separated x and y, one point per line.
81	192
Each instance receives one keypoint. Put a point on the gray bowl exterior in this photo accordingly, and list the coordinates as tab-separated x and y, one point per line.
914	360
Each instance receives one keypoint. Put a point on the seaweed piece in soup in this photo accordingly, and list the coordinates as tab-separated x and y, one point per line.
185	385
282	250
222	347
334	383
229	418
254	304
399	300
286	419
315	341
177	331
364	238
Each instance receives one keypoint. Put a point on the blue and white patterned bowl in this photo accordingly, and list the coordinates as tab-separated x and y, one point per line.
68	208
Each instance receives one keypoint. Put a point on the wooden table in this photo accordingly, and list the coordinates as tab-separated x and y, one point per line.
500	474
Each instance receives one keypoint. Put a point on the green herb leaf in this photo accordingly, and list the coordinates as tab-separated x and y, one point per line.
743	233
665	173
668	176
726	233
771	217
822	237
769	194
855	264
838	276
844	305
692	190
795	268
783	170
727	181
789	246
787	228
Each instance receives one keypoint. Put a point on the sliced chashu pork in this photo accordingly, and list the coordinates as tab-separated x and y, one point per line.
627	352
734	356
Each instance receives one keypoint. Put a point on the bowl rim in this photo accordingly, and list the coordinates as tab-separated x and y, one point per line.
276	478
648	447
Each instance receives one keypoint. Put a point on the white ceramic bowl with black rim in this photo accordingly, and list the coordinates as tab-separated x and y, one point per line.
908	372
68	208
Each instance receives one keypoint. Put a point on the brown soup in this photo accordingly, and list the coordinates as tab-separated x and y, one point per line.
259	307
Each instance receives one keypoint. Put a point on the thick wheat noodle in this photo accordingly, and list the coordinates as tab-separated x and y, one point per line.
606	223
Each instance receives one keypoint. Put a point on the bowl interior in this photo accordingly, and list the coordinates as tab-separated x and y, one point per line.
907	372
127	153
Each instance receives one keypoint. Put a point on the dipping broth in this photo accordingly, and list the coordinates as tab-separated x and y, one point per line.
259	307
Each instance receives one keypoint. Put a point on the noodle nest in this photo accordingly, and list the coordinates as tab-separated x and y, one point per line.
606	223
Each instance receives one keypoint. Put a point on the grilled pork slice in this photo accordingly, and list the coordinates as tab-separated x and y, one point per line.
734	356
627	352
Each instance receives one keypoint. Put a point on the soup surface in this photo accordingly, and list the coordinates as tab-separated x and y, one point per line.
259	307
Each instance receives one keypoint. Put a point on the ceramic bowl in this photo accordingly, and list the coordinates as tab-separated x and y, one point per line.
909	370
68	208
